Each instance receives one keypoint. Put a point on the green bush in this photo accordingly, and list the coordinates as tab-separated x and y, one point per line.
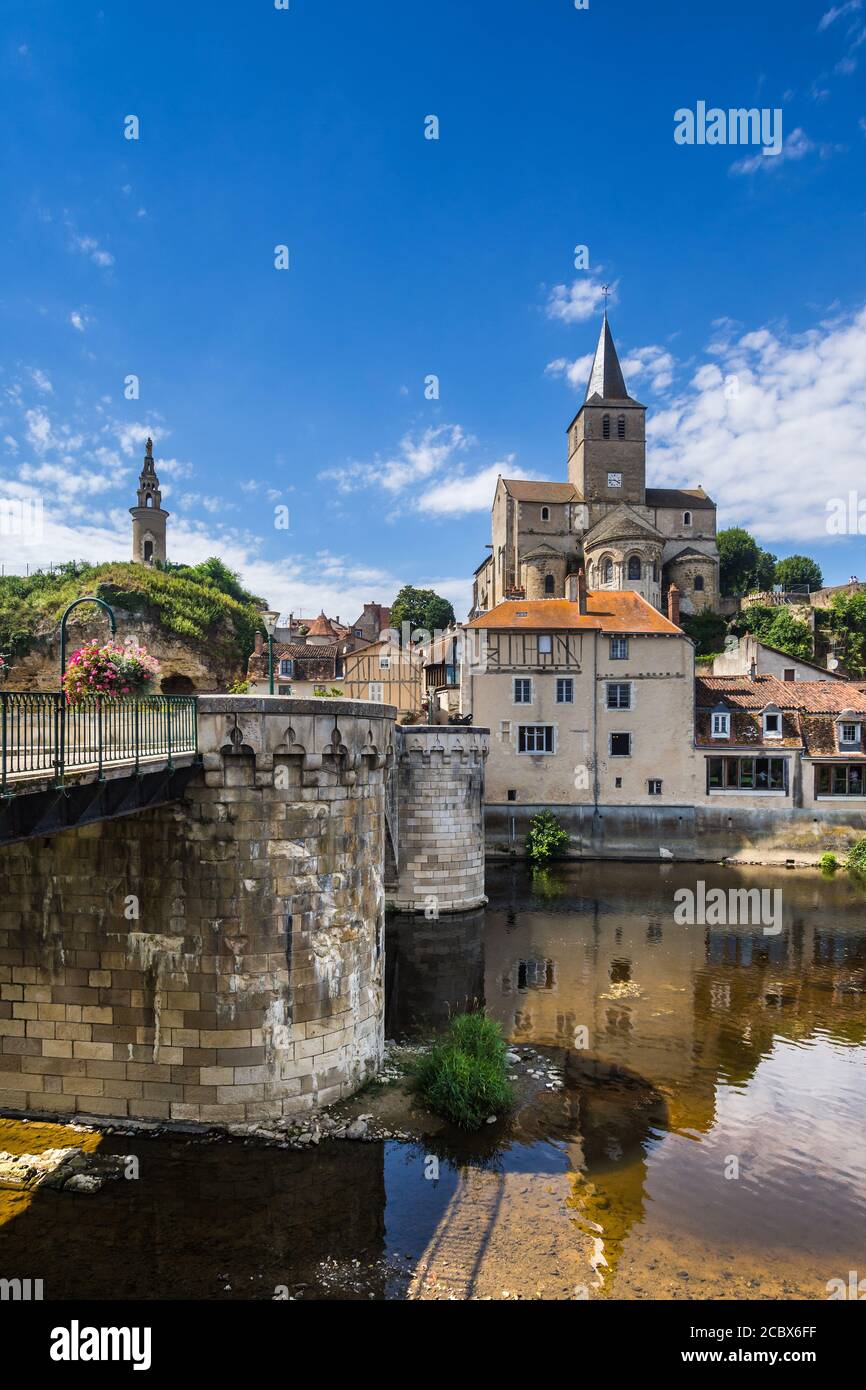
829	863
856	861
546	838
464	1076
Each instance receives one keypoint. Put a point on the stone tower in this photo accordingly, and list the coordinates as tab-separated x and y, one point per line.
607	437
148	517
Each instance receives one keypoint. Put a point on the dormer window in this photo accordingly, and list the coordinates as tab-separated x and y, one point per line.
721	724
687	518
545	513
772	720
620	427
849	734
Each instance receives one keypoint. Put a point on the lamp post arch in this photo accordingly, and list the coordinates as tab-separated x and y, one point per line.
88	598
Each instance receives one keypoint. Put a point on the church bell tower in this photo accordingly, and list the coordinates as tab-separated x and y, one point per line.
607	437
148	517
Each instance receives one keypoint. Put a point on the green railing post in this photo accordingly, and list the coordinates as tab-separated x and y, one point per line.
3	735
99	734
135	723
168	713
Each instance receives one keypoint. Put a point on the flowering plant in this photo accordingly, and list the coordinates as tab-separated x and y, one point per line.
108	671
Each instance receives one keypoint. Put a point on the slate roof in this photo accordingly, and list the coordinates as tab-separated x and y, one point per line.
606	378
810	712
523	490
684	498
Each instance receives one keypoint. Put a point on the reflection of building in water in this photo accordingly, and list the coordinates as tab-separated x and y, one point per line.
433	970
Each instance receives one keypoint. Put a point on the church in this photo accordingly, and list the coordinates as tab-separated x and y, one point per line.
148	517
604	519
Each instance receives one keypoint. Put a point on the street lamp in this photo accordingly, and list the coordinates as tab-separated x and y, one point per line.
270	621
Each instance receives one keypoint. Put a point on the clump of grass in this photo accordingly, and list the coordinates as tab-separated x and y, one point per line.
464	1076
829	863
856	861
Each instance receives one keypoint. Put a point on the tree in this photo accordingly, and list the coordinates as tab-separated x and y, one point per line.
847	623
765	575
796	571
777	628
421	608
707	630
739	555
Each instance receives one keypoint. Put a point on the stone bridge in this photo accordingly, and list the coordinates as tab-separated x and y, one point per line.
220	958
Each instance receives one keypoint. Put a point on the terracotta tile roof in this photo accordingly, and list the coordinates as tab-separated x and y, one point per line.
815	697
607	611
747	731
524	491
322	627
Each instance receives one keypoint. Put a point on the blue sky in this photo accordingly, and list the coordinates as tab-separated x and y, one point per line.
411	257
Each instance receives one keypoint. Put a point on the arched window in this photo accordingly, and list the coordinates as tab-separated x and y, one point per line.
605	427
549	584
687	518
655	572
148	501
620	427
148	551
634	567
607	571
699	583
545	513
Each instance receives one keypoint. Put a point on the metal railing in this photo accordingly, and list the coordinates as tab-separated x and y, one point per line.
40	732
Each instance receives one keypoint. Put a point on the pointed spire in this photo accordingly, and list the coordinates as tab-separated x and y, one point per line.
606	378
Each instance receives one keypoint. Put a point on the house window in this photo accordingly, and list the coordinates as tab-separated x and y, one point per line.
687	518
849	734
605	427
564	690
284	690
549	585
655	571
512	794
721	726
654	786
789	673
545	513
384	663
522	691
773	725
607	571
545	644
287	667
535	738
376	691
620	745
840	779
620	427
618	695
699	583
634	567
619	649
505	730
747	774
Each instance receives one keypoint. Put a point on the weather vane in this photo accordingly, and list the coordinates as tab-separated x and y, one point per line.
605	290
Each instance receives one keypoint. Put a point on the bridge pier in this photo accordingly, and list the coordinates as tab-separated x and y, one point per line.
221	959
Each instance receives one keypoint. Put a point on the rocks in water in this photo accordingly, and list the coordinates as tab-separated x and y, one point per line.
64	1170
357	1130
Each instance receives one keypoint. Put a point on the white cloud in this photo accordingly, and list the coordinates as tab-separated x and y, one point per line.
90	247
652	363
795	146
79	319
576	372
580	300
41	381
835	12
773	428
459	493
131	438
416	459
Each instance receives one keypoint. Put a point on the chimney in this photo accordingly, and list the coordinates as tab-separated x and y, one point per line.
674	605
581	590
260	644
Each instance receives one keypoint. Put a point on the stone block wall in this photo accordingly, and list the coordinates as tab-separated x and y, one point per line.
219	960
441	791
